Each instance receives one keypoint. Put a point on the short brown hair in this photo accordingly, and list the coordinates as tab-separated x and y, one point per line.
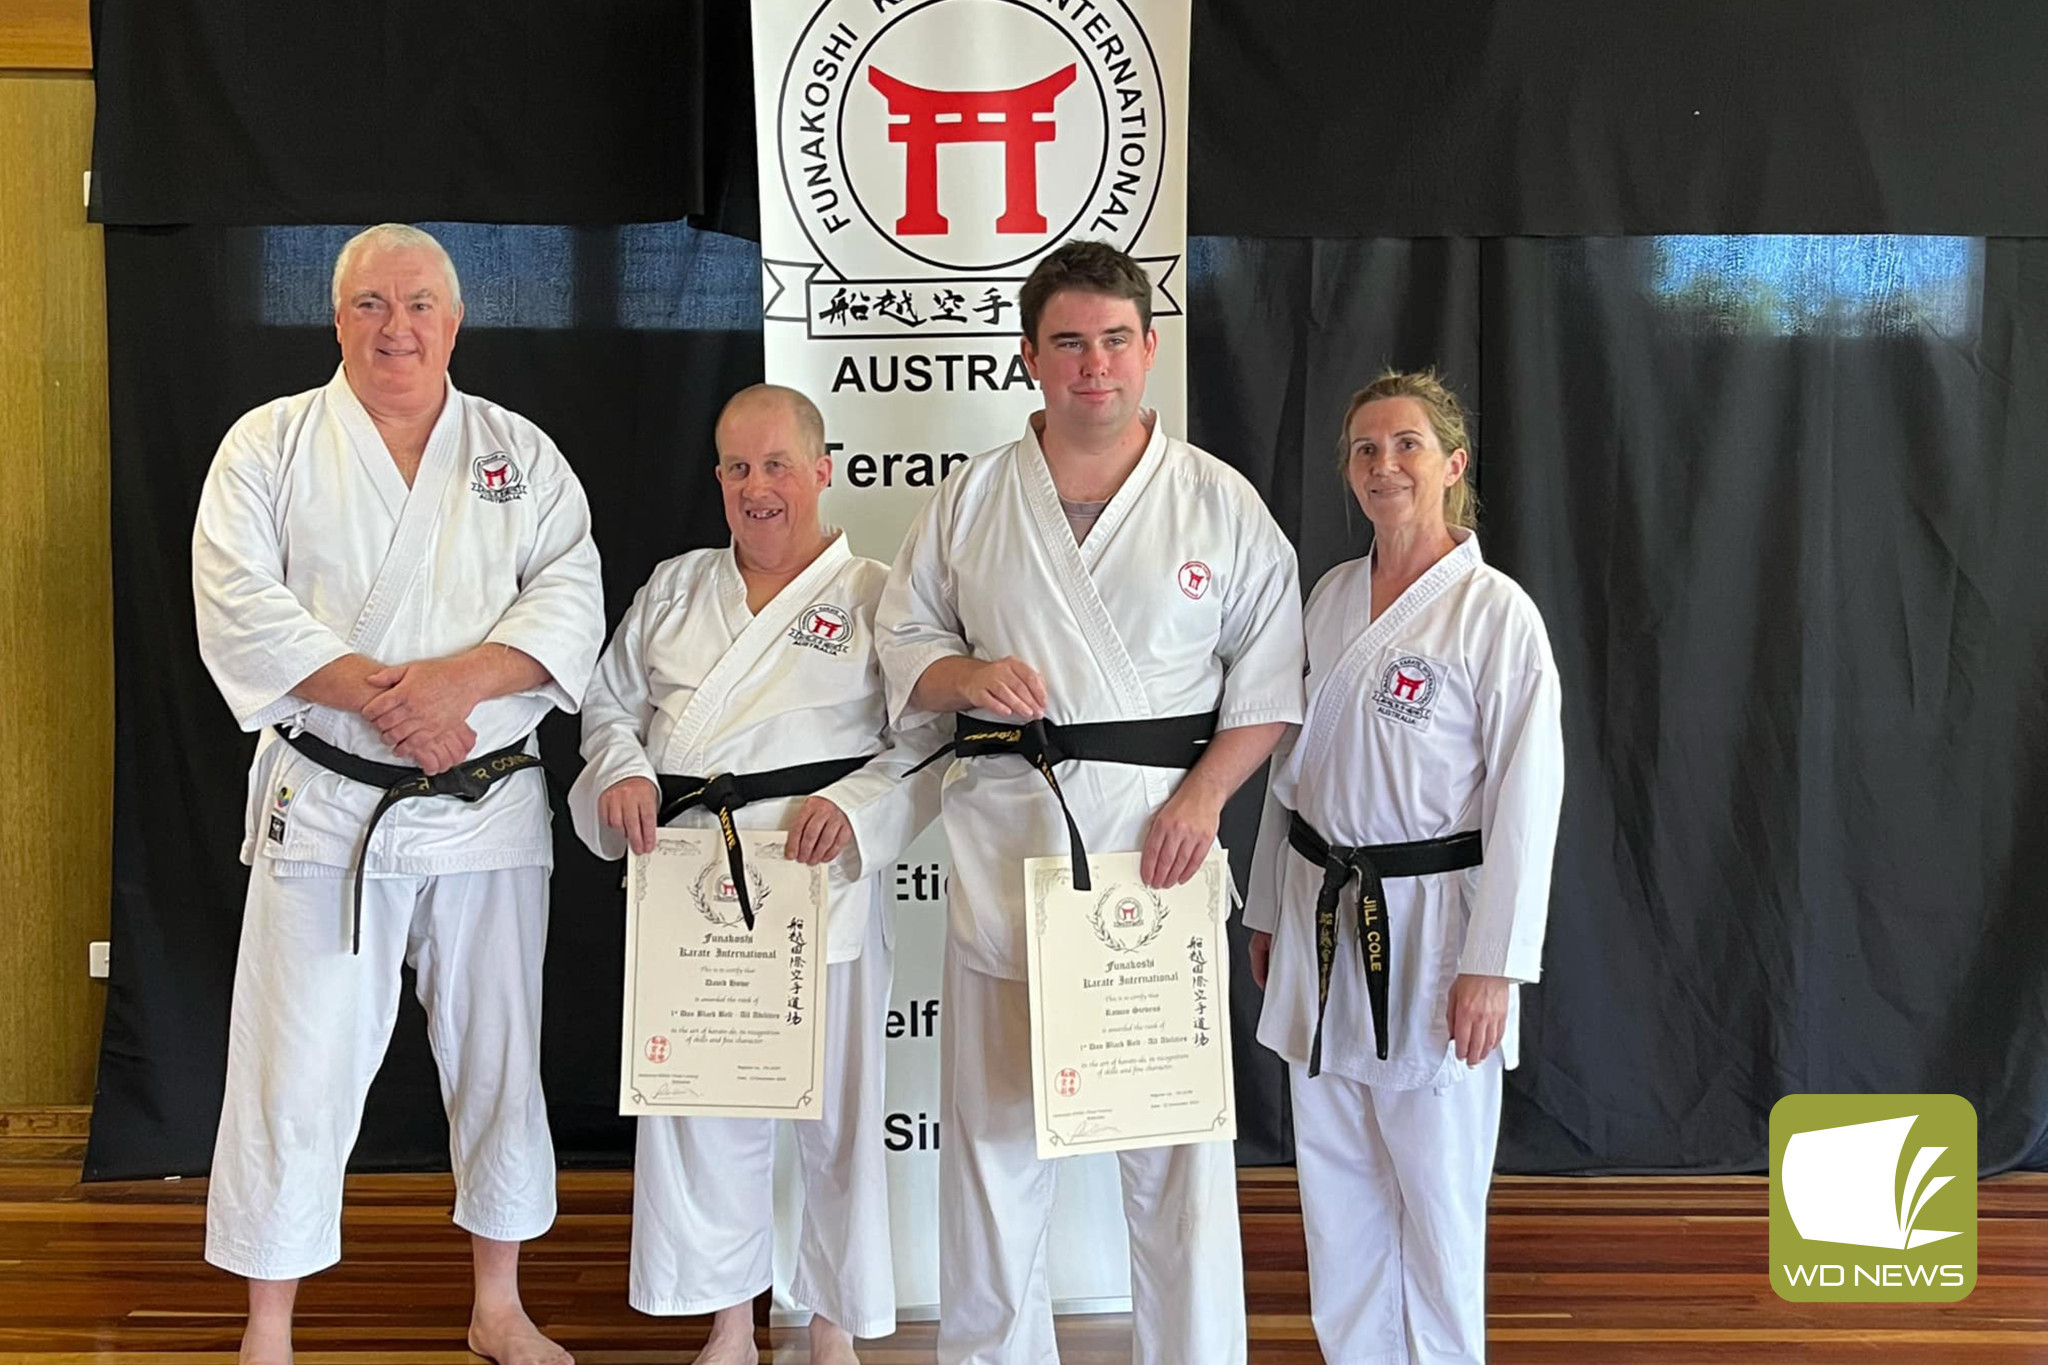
1091	268
1447	418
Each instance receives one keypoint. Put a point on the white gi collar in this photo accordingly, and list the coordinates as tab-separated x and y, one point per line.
1044	498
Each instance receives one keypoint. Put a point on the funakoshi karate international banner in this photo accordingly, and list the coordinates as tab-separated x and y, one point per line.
917	158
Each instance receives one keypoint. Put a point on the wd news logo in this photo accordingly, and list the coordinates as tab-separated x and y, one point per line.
1873	1198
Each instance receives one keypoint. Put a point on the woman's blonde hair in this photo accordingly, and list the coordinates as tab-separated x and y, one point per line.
1447	418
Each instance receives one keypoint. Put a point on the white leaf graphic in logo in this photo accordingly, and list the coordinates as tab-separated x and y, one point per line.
1838	1185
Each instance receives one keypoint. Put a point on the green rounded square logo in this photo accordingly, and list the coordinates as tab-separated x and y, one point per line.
1873	1198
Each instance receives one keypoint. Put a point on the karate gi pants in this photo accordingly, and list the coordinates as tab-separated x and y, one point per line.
704	1189
1393	1201
996	1197
309	1028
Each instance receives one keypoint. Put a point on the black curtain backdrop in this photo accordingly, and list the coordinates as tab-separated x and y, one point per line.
1471	118
189	351
1777	515
1785	552
1776	497
1484	118
249	111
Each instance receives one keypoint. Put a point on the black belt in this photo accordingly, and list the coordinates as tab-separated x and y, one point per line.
727	792
1370	864
1165	742
466	781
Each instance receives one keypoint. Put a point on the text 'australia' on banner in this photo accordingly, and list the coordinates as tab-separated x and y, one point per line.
917	158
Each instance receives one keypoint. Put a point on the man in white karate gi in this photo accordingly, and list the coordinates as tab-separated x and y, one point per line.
1129	596
755	663
394	582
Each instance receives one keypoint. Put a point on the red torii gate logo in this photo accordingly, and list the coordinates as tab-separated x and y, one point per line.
1070	99
1020	119
1407	691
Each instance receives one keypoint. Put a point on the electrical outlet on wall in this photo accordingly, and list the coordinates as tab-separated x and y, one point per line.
97	953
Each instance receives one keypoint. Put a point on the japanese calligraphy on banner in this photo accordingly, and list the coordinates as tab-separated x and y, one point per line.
917	158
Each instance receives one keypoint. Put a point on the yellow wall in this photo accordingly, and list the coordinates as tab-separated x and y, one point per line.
56	669
45	35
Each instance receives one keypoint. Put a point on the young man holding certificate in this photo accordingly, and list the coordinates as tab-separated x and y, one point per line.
1101	592
742	693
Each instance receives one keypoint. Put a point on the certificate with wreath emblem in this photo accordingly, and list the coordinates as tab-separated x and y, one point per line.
721	1021
1130	1023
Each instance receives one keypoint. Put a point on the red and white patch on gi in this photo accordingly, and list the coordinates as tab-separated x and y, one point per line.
496	478
823	627
1408	689
1195	579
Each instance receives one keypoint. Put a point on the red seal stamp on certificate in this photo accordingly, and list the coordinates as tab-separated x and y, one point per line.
657	1049
1067	1082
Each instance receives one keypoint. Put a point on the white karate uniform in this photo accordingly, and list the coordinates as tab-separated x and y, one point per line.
694	683
1439	717
1182	600
309	546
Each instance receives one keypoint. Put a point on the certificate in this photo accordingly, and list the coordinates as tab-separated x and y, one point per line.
721	1021
1130	1021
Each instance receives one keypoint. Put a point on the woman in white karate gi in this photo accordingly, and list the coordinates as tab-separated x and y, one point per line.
1400	888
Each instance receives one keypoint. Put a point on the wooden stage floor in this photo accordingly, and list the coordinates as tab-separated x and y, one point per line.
1590	1272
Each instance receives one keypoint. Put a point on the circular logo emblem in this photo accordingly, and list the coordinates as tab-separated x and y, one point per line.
495	478
827	622
892	146
1068	1082
657	1049
1407	691
496	471
1128	921
1194	579
718	900
1410	680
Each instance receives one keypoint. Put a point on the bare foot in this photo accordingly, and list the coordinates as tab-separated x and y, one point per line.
732	1338
830	1343
509	1337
